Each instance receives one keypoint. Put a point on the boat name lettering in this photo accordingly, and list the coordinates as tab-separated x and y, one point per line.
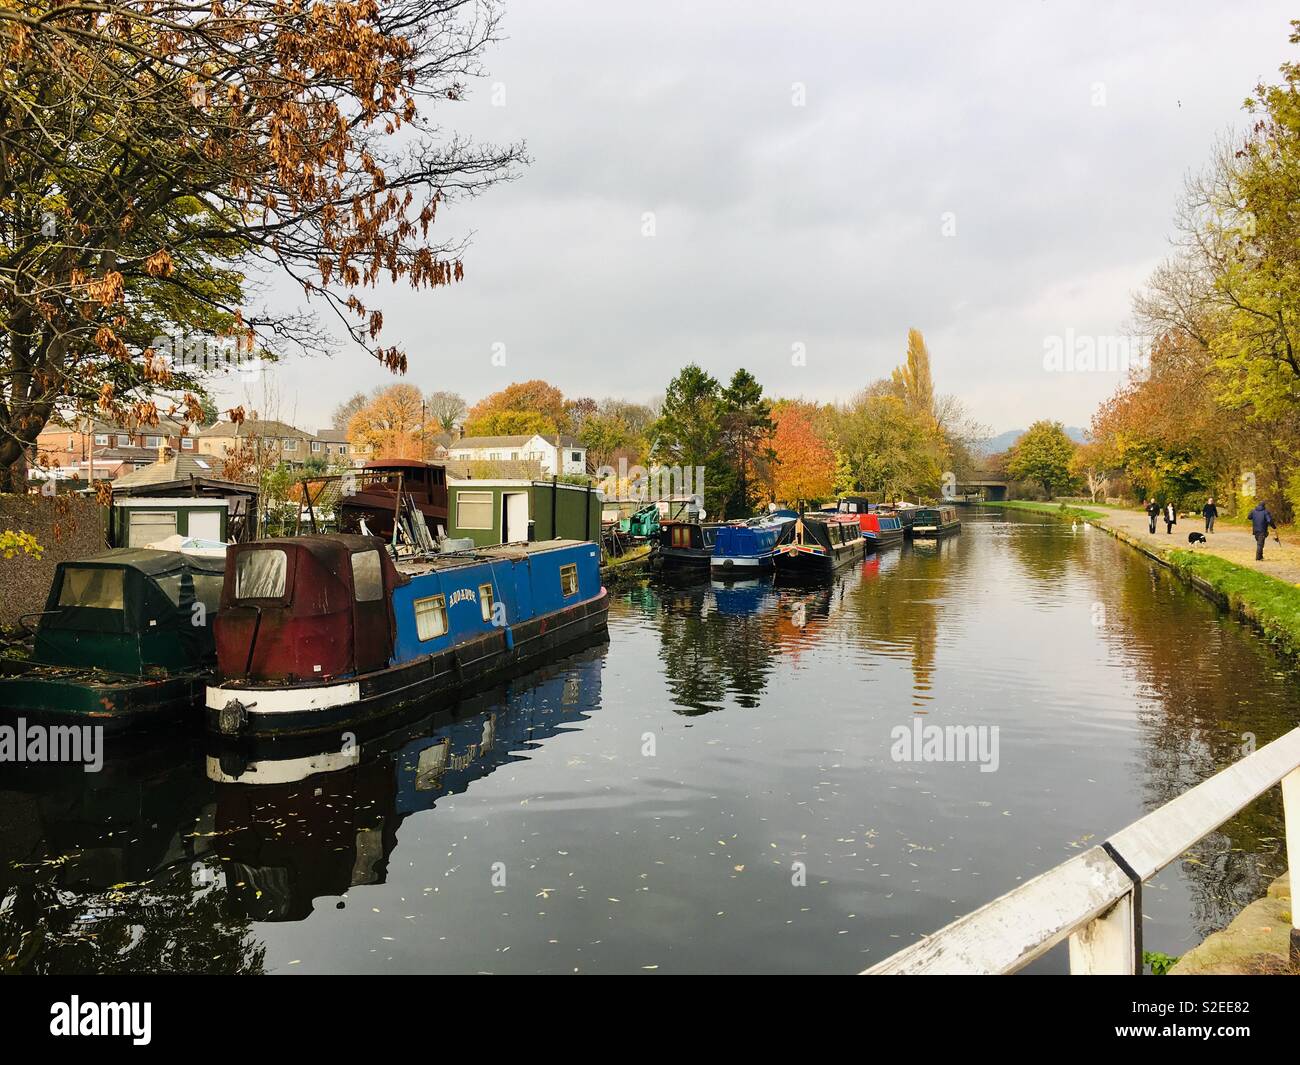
460	595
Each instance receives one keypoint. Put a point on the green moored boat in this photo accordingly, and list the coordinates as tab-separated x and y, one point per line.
125	641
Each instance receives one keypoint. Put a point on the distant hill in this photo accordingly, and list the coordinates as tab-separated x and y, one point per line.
1002	441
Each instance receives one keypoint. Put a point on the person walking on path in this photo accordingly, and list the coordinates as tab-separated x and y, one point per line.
1260	522
1171	518
1211	512
1153	512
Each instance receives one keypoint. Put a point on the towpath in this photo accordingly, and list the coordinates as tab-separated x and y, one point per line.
1232	542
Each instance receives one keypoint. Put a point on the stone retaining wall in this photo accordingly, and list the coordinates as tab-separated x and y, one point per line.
65	526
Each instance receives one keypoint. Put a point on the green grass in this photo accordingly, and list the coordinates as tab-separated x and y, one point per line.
1274	604
1062	509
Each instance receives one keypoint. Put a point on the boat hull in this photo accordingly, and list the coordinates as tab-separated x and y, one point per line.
742	565
248	709
119	703
803	560
877	541
933	532
685	557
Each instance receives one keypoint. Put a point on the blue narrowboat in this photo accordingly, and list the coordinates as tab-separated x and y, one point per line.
752	546
323	632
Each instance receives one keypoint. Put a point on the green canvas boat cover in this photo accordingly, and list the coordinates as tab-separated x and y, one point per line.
132	611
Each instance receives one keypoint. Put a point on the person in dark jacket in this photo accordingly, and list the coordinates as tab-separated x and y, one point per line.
1211	512
1153	512
1171	518
1260	522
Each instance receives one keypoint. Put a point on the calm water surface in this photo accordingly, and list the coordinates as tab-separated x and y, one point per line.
711	791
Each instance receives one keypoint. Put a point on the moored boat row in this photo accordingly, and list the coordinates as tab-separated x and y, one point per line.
297	635
306	634
780	539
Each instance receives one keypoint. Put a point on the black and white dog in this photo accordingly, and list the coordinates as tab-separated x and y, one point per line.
1195	538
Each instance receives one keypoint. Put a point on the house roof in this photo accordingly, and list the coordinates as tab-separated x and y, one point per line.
123	454
512	441
254	427
332	436
179	467
166	426
492	469
490	441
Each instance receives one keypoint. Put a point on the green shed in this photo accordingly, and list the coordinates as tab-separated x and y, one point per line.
183	495
139	522
500	512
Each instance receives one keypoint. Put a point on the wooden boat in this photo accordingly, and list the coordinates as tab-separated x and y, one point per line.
323	632
371	494
750	547
125	641
821	543
932	522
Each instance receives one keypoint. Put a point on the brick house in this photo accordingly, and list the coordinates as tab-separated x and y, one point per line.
275	441
74	446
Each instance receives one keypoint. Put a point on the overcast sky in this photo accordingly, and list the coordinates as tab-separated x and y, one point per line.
1053	136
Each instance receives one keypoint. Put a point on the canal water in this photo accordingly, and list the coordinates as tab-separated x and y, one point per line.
722	787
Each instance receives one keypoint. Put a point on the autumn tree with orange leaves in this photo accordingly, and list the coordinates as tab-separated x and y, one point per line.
804	469
392	424
522	408
154	156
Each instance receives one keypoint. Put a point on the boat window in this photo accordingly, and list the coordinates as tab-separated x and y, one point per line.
681	536
170	583
485	600
431	617
207	589
261	574
569	579
367	577
103	589
474	510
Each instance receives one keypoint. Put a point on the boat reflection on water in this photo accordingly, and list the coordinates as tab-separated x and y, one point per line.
738	598
101	867
290	828
163	860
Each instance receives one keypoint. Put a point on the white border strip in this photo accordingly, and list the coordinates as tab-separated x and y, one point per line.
286	700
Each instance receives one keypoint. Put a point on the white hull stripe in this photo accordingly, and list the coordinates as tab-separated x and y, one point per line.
286	700
285	771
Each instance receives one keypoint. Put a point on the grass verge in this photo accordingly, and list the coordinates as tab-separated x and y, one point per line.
1272	604
1061	509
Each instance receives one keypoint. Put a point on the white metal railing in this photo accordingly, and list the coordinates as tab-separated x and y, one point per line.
1095	897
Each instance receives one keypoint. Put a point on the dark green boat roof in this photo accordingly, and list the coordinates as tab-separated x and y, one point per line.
150	562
